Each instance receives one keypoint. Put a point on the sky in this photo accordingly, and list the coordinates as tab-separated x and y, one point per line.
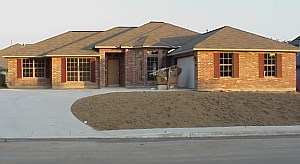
30	21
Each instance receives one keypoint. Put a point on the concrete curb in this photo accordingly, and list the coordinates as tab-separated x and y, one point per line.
206	132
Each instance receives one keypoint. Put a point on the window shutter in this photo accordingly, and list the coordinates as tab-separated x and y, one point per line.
236	66
48	67
63	70
93	70
216	65
261	65
279	66
19	68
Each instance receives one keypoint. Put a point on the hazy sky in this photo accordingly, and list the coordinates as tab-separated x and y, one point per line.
29	21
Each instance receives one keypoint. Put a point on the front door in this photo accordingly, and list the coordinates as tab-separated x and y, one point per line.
113	75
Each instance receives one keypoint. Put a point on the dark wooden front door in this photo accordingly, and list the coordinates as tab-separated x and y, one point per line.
113	72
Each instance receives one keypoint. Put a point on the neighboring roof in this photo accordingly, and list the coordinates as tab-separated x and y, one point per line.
86	45
46	46
153	34
296	42
6	51
229	38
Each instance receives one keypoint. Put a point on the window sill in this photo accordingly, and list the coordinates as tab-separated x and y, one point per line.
226	77
79	82
271	77
35	78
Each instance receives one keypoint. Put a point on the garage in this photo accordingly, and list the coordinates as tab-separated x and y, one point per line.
186	78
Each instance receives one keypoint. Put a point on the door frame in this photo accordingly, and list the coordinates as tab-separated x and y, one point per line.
106	68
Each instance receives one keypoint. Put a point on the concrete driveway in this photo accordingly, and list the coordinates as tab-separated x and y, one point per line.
29	114
44	113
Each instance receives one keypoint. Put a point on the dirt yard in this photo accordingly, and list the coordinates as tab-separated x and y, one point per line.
180	109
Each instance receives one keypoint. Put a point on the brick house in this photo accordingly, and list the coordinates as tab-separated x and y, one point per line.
232	59
296	42
121	56
225	58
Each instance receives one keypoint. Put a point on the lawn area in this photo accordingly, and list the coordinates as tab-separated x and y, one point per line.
181	109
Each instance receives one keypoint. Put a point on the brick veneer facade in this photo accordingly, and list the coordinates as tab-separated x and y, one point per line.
15	82
133	65
133	71
57	82
248	79
136	65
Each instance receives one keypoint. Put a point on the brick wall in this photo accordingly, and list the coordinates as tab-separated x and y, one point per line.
131	61
57	77
56	72
15	82
102	66
298	78
248	74
136	65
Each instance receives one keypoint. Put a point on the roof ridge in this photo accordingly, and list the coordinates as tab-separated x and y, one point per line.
203	35
145	32
252	33
108	37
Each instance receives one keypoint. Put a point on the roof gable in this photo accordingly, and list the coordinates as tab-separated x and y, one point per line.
229	38
232	38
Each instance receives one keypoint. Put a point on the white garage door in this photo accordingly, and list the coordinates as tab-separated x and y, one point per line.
186	78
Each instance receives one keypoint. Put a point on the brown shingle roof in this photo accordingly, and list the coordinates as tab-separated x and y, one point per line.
85	46
6	51
46	46
156	34
229	38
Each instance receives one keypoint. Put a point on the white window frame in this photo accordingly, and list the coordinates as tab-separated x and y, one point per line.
269	64
222	65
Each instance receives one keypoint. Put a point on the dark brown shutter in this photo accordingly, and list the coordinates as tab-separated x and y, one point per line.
63	70
236	70
216	65
19	68
93	70
279	66
261	65
48	67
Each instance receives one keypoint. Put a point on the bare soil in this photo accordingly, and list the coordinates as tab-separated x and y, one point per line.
180	109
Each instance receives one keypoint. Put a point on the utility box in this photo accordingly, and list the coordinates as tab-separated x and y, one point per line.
161	78
167	77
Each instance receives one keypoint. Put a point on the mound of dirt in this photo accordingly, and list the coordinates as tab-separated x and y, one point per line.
187	109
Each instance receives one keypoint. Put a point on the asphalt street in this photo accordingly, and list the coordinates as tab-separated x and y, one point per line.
246	150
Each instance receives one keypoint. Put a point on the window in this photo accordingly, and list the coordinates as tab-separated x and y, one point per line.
226	64
34	67
152	66
270	65
39	65
78	69
84	69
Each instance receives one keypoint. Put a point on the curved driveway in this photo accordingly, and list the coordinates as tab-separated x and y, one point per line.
44	113
47	114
